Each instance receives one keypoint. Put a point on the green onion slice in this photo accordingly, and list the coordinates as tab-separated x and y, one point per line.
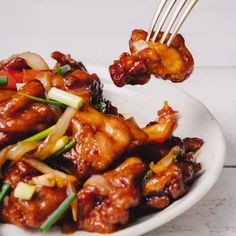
3	80
57	213
4	191
64	149
63	69
100	106
39	136
51	102
65	97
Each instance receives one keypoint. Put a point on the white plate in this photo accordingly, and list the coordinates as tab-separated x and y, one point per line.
195	120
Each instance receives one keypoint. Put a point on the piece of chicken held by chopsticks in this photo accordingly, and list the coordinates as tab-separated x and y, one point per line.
173	63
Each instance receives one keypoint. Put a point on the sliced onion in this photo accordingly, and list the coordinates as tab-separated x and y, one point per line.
45	169
46	148
34	61
19	86
45	180
139	45
45	79
166	161
100	183
20	149
4	154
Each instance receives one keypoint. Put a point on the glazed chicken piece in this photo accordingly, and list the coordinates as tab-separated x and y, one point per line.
101	140
79	82
31	213
20	116
13	64
65	59
174	172
105	200
173	63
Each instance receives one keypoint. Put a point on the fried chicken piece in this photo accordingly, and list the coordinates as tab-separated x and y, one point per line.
31	213
79	82
13	63
65	59
101	139
173	63
105	200
173	180
20	116
6	94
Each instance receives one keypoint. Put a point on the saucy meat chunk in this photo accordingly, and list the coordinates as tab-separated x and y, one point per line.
20	115
105	200
31	213
173	63
101	139
80	82
173	174
13	63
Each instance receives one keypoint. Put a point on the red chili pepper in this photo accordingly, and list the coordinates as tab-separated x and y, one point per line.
15	77
29	75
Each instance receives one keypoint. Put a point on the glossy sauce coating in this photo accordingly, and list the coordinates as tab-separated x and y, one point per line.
105	210
173	63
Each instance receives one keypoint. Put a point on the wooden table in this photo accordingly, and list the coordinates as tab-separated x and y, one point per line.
98	31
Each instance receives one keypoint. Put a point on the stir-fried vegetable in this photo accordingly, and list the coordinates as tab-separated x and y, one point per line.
166	122
24	191
34	61
39	136
64	149
65	97
57	213
40	166
20	149
63	69
100	183
166	161
3	80
62	142
74	205
19	86
4	154
4	191
46	148
48	180
47	101
16	79
13	77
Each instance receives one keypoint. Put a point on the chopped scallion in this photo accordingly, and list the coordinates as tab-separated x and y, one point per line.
61	143
51	102
3	80
24	191
57	213
100	106
64	149
65	97
39	136
4	191
63	69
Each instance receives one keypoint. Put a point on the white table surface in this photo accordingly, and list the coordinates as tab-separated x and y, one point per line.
97	32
